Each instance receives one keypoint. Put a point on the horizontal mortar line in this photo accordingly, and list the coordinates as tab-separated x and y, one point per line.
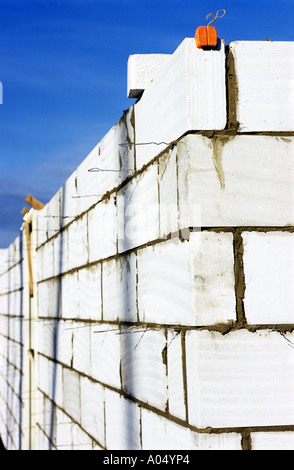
11	315
18	289
183	423
232	131
247	228
11	413
186	424
12	367
224	328
168	237
43	431
118	255
10	410
9	433
69	416
267	133
11	340
12	267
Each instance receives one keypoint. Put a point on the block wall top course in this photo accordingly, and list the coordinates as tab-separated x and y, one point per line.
142	69
188	92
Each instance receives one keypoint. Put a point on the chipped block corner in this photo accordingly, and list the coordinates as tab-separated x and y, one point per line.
159	312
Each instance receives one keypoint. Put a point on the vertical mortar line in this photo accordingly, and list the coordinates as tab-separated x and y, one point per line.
177	188
140	428
137	281
133	123
158	199
231	90
104	414
184	368
88	245
165	361
240	285
246	440
101	287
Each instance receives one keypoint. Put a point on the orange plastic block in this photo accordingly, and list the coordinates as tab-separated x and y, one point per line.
201	36
211	36
205	36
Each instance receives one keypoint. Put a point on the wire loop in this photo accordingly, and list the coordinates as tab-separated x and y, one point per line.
217	16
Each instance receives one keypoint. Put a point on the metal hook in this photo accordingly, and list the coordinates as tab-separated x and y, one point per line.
217	16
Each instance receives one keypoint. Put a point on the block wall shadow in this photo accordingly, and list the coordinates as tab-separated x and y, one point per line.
56	321
127	338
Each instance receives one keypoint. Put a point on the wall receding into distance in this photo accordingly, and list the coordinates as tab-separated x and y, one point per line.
149	304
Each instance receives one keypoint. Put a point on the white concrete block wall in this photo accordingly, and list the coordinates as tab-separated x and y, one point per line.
162	315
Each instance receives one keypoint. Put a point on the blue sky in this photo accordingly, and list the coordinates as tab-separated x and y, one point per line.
63	69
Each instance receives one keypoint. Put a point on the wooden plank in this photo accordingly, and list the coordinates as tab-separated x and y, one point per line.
34	202
25	210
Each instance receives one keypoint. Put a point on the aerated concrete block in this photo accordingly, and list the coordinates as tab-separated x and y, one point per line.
176	393
238	181
64	338
69	201
143	367
272	440
188	283
102	230
265	86
88	192
138	211
71	394
89	293
269	277
53	214
61	253
69	295
92	409
168	193
159	433
108	164
105	354
3	260
187	94
42	226
78	242
47	261
119	289
82	347
116	157
239	379
122	418
142	69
